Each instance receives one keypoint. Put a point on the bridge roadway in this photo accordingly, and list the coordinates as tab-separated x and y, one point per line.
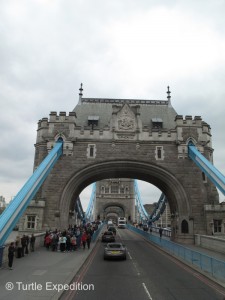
148	273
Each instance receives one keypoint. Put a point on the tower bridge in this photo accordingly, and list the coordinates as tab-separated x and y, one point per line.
107	138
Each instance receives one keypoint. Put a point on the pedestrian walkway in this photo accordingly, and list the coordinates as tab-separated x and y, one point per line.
208	252
208	262
39	274
211	253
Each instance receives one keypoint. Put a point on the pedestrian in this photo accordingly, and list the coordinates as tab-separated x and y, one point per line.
27	244
23	243
73	242
32	242
68	243
48	241
88	240
18	247
160	232
78	236
55	241
84	239
62	243
11	251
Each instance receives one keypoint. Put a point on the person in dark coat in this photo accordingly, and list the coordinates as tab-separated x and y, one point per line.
18	247
27	244
32	242
160	232
11	251
88	240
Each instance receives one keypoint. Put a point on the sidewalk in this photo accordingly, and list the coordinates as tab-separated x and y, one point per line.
28	278
210	263
211	253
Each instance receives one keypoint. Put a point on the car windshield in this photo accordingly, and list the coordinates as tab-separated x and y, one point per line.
114	246
108	233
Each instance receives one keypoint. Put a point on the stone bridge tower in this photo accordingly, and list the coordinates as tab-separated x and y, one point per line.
115	198
124	138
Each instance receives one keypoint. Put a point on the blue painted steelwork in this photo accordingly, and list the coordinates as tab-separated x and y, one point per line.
79	209
158	210
90	208
210	171
16	208
143	213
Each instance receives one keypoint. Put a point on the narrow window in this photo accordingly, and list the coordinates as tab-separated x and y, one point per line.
184	227
217	225
159	153
204	177
91	151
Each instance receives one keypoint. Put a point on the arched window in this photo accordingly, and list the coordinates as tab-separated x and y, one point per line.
184	227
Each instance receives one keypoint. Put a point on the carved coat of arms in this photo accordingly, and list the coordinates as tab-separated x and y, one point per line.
126	119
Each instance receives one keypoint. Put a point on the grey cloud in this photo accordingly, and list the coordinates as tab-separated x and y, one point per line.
48	48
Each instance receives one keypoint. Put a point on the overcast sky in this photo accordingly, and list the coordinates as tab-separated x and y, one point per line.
118	49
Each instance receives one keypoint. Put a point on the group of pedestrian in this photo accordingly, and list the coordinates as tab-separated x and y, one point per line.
20	247
69	240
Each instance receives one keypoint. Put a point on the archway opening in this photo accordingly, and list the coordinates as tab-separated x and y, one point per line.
159	177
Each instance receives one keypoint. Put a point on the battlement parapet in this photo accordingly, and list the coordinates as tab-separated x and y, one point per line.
53	117
188	120
62	117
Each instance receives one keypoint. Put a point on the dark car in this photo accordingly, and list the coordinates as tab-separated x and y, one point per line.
113	229
115	250
108	236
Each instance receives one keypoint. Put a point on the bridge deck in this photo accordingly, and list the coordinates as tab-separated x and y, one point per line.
44	266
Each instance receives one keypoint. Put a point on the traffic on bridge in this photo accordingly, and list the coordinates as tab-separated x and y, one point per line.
147	273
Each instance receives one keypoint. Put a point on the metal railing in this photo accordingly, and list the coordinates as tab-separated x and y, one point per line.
213	267
97	232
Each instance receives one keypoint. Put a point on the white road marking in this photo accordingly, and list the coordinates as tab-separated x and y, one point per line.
135	266
146	290
129	255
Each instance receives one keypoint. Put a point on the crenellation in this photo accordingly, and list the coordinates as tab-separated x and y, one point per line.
198	120
188	120
206	128
188	117
44	122
52	116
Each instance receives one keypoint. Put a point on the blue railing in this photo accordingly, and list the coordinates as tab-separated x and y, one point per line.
211	266
96	233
